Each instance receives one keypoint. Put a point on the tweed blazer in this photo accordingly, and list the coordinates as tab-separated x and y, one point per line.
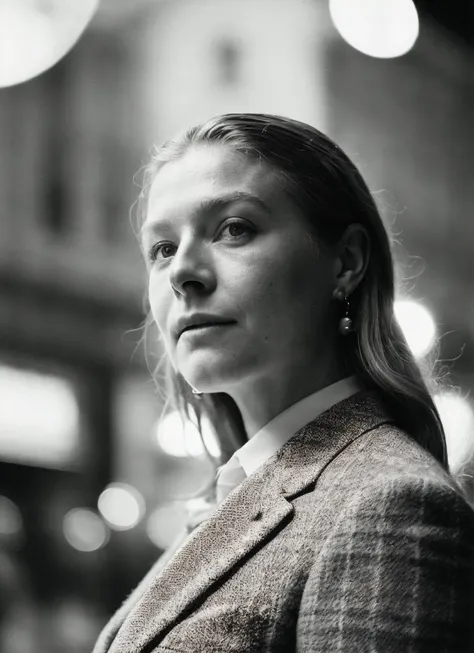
351	538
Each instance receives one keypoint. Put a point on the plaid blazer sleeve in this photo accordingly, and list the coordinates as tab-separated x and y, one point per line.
396	574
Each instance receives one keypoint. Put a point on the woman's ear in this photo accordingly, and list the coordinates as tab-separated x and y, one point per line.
352	257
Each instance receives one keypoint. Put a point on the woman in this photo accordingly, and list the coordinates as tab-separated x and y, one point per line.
338	526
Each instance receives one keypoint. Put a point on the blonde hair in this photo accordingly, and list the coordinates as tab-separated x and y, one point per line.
321	178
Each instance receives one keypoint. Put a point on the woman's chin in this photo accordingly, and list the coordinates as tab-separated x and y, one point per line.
209	380
215	370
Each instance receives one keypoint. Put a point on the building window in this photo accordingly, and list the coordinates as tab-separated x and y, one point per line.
40	420
228	62
55	208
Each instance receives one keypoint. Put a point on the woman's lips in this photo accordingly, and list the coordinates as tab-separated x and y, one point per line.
205	329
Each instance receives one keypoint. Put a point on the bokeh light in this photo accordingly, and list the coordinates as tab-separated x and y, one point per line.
122	506
181	438
457	416
85	530
11	521
166	522
378	28
39	417
36	35
170	520
417	324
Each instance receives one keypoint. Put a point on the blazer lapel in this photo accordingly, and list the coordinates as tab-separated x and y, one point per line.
212	550
108	634
245	520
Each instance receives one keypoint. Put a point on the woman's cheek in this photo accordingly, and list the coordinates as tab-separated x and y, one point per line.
159	306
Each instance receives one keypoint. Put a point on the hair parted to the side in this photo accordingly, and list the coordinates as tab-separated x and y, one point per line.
325	183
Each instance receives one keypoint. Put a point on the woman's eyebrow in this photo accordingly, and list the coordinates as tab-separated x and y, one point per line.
213	203
208	205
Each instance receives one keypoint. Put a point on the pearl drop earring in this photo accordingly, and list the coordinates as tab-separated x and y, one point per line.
346	325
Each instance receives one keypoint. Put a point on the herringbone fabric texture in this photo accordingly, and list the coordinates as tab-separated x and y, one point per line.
351	539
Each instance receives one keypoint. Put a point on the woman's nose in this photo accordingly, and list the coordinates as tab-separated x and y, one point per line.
191	269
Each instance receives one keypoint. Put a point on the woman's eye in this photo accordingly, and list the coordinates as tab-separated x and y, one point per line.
237	229
161	250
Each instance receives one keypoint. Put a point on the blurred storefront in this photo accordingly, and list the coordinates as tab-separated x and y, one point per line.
90	491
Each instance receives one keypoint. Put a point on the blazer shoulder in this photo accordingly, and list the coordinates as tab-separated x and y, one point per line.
396	567
415	506
387	453
390	449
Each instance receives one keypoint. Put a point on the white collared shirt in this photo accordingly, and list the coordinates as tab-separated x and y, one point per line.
266	442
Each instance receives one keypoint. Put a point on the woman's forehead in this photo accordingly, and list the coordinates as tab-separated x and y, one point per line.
204	171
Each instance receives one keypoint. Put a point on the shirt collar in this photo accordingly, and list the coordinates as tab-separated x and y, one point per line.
266	442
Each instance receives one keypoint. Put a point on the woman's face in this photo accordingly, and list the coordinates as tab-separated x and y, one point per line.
226	243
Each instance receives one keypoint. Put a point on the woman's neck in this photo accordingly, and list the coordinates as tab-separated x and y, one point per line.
263	399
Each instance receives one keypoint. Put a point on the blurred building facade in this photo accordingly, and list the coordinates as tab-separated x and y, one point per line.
71	275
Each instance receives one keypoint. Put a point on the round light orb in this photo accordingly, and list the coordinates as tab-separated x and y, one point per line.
36	34
166	522
11	521
378	28
179	438
85	530
417	325
457	417
122	506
